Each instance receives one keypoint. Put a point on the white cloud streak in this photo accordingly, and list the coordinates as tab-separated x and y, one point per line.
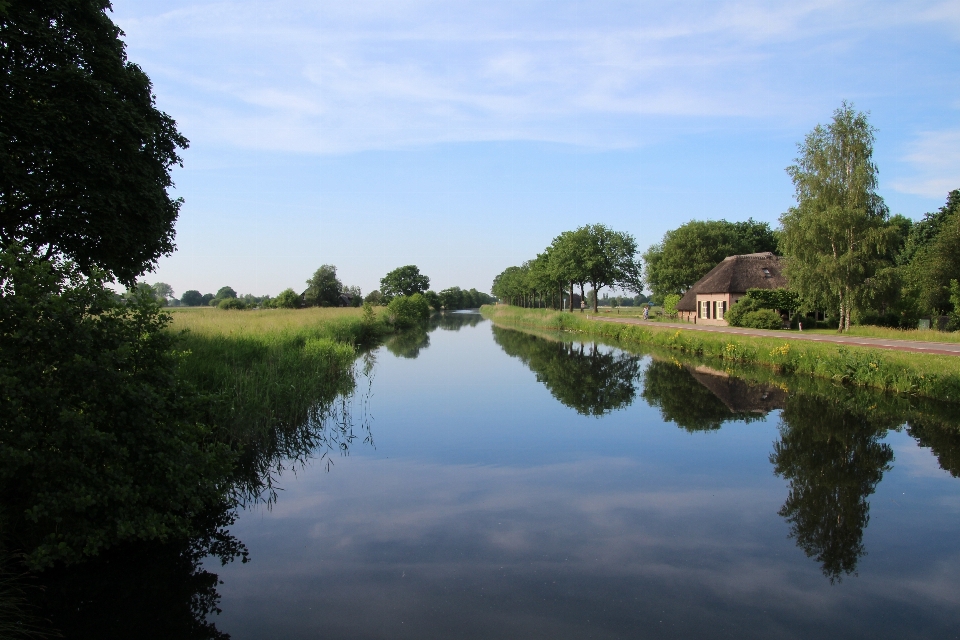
935	158
344	77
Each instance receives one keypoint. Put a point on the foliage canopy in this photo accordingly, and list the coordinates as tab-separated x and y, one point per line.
403	281
836	238
690	251
85	155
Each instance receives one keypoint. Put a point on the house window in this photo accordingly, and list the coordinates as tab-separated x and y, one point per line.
766	273
721	309
705	309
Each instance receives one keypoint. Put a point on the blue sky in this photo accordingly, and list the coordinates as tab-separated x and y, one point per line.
463	136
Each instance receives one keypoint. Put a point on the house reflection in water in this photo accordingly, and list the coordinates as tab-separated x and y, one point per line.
738	395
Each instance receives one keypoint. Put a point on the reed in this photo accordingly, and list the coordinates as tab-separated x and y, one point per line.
269	369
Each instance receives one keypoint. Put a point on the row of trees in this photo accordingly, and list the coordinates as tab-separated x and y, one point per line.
593	254
408	281
324	289
844	253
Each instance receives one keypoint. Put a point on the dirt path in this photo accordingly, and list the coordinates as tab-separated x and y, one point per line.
938	348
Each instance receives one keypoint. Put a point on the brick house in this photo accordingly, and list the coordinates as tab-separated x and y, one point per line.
708	300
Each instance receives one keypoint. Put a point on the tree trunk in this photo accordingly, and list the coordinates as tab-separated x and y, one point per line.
596	296
571	296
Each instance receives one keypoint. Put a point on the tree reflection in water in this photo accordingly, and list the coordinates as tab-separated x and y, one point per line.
409	343
702	399
831	453
830	448
454	320
162	590
585	378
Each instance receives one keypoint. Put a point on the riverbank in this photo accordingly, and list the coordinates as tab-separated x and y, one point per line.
267	369
932	376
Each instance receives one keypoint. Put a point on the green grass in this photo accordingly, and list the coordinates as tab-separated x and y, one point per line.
277	382
932	376
269	368
918	335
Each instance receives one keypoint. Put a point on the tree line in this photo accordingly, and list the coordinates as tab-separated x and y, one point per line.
593	254
324	289
408	281
844	253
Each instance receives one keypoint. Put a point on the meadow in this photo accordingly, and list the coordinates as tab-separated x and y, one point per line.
931	376
269	368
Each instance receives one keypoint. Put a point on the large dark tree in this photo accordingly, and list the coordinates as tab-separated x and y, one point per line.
404	281
930	258
691	250
324	288
85	155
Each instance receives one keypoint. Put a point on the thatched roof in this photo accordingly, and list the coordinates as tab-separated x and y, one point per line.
736	274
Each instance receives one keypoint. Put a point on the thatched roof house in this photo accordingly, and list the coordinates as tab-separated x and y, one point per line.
707	301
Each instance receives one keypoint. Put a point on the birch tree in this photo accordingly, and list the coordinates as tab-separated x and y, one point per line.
834	240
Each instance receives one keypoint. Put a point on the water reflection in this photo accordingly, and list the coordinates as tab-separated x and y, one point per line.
409	343
830	448
943	439
591	380
702	399
454	320
136	590
163	590
832	455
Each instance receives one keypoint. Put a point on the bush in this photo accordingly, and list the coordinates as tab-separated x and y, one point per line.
762	319
670	303
100	441
287	299
231	303
735	314
191	298
407	311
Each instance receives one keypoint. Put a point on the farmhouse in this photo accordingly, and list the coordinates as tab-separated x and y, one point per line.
708	300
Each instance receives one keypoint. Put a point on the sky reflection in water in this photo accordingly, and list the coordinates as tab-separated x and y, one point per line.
521	487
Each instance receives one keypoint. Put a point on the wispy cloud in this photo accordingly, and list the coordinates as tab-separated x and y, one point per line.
934	157
340	77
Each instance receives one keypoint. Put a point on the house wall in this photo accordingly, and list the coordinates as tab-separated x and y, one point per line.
713	311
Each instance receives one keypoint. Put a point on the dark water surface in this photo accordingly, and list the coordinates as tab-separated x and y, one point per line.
520	487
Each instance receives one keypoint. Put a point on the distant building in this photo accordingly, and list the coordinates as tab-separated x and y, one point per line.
707	301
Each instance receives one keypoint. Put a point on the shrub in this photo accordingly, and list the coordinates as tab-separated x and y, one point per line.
287	299
231	303
100	441
762	319
670	304
735	314
407	311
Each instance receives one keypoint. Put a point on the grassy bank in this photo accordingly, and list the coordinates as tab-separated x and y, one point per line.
931	376
269	368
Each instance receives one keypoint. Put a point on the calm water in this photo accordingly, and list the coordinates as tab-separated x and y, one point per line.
512	486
